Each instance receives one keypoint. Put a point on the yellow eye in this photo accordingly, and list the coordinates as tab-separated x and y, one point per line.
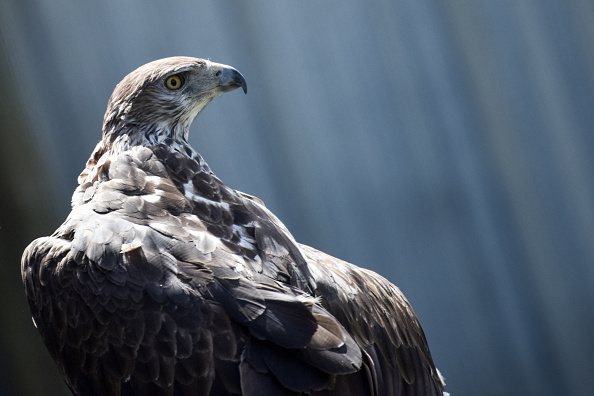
174	82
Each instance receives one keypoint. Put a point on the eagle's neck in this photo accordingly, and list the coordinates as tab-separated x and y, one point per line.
128	134
124	138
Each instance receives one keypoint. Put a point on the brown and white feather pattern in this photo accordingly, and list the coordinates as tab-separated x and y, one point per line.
164	281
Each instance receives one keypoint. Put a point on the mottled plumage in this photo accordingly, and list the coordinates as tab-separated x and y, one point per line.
164	281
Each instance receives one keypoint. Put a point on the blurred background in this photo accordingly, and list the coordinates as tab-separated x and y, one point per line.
447	145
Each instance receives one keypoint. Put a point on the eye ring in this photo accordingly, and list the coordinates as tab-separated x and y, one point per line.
174	82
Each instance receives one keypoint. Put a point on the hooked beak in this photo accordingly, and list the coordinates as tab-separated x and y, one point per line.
230	79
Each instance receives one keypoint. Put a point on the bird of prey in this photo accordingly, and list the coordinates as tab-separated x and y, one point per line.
164	281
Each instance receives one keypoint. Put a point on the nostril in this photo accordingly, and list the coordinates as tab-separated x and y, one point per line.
218	73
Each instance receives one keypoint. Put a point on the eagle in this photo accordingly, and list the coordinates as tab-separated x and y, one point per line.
164	281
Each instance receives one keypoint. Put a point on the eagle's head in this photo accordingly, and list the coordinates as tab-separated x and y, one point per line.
161	99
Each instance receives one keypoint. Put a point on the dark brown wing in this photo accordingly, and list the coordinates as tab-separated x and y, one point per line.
147	289
383	323
115	313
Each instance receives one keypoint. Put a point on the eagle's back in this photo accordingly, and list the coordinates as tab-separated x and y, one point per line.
115	290
163	280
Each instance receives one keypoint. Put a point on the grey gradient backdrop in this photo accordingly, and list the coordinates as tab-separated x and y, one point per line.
444	144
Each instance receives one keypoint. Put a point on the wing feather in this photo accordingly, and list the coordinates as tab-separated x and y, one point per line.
381	320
